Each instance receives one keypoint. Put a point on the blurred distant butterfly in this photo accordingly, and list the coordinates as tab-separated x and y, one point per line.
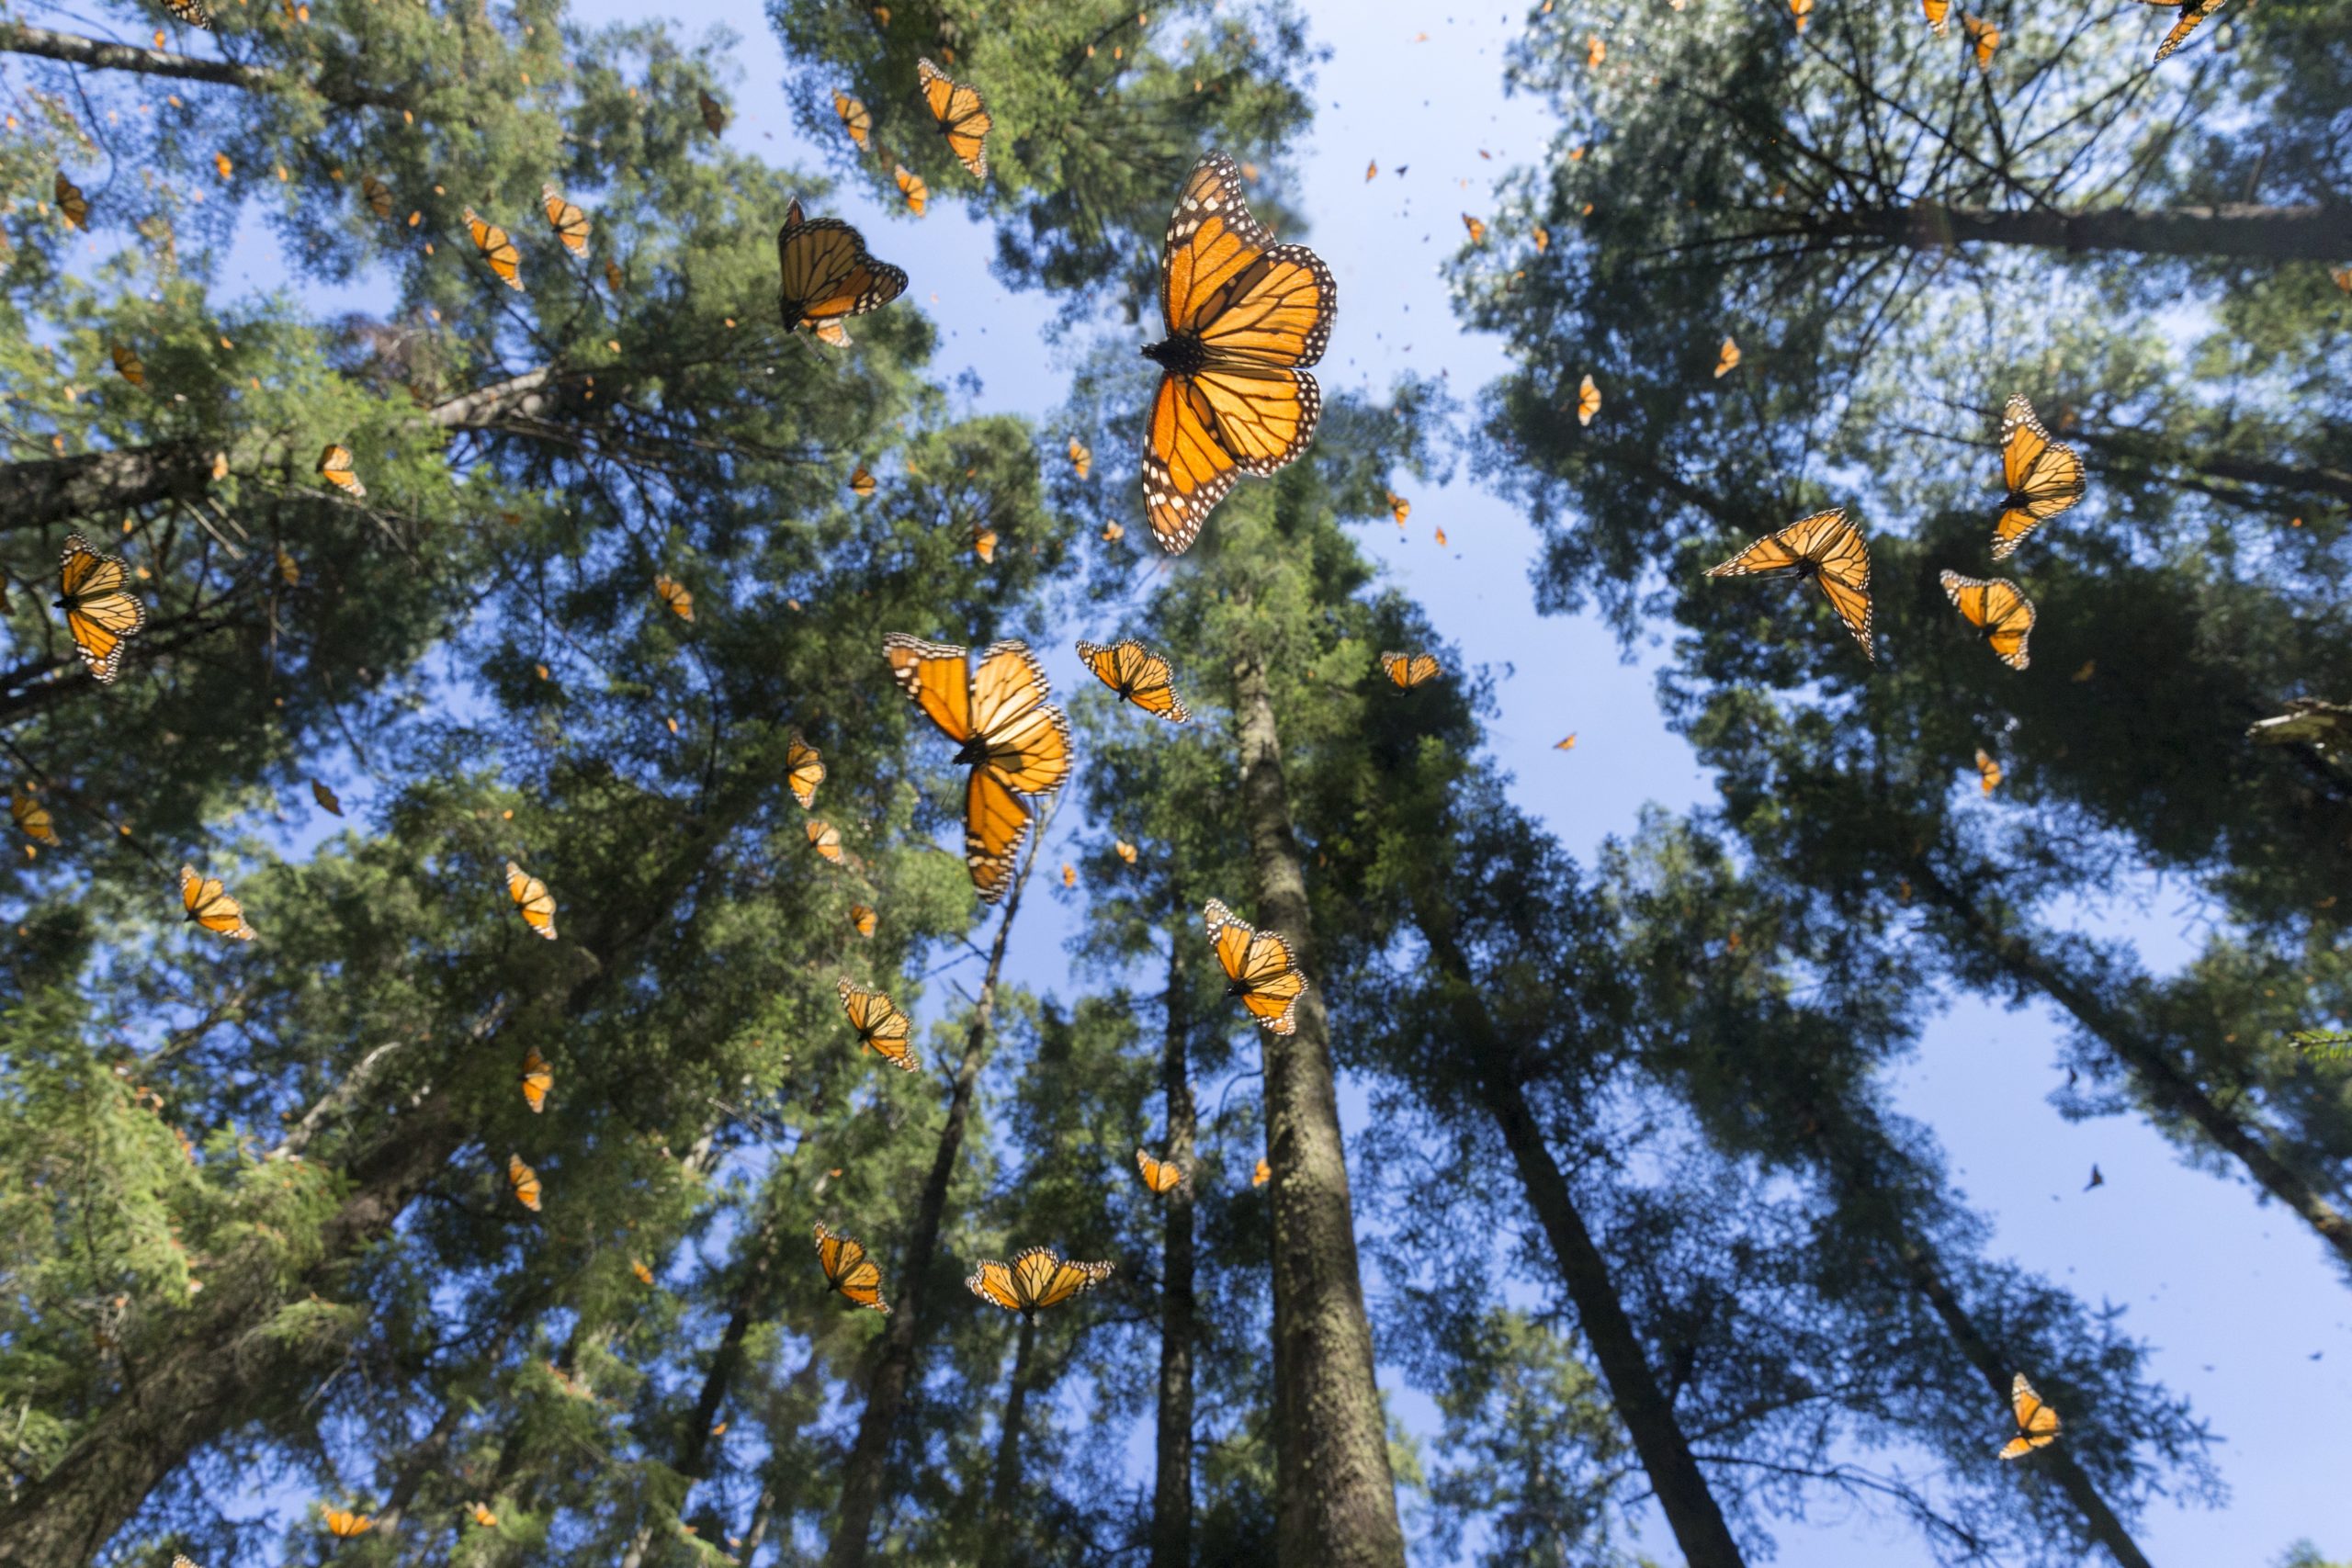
825	838
1082	461
984	543
343	1524
334	467
1137	674
376	193
1988	771
1587	401
127	365
2192	12
804	769
674	593
72	205
1938	15
2037	1423
531	900
1477	228
484	1516
644	1275
1984	35
1263	1174
861	915
855	119
32	818
100	611
1726	359
209	905
538	1079
329	802
189	11
861	483
1802	11
1123	850
848	1269
570	223
496	250
2005	614
1038	1277
1259	969
714	113
880	1026
2043	478
825	274
1409	670
912	187
1824	547
963	117
1398	507
523	1182
1159	1175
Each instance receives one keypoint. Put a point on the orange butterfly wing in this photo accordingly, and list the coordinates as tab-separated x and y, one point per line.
849	1270
208	904
531	900
523	1182
963	117
497	250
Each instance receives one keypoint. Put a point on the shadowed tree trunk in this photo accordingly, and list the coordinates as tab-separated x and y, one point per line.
1335	1499
2260	233
97	55
1004	1487
1171	1495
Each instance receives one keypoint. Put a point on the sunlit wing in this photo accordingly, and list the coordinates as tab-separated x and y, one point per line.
523	1182
938	677
208	904
995	822
849	1270
531	900
1186	469
824	272
1159	1175
334	467
538	1079
804	769
825	838
963	117
571	224
100	610
2037	1423
497	250
2043	478
1998	607
2192	14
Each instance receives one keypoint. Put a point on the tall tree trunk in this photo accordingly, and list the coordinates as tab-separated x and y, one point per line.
2130	452
1171	1493
1335	1499
97	54
885	1390
2161	1077
1676	1480
1004	1488
2234	230
2103	1526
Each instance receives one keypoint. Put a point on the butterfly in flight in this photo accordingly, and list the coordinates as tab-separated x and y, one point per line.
100	611
208	904
1409	670
72	205
861	917
1938	15
1159	1175
571	224
1036	1278
329	802
531	900
497	250
2192	12
2005	614
880	1026
1243	316
1988	771
1259	969
1726	359
127	365
189	11
644	1275
484	1516
523	1182
2043	478
912	187
848	1269
343	1524
1588	401
861	483
2037	1423
1263	1174
1082	458
377	194
1137	673
855	119
1476	227
826	840
1985	36
1015	742
825	274
804	769
1398	507
675	594
963	117
334	467
32	818
714	113
1824	547
538	1079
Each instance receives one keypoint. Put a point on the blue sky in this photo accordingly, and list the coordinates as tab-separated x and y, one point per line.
2234	1296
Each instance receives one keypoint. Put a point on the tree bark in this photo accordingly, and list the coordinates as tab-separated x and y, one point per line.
1004	1489
885	1390
1171	1493
97	55
1335	1498
2233	230
2136	452
2158	1075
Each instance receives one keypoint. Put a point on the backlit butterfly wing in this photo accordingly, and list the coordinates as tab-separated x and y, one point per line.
189	11
1826	547
497	250
1726	359
2192	13
377	194
1984	35
329	802
880	1026
523	1182
1243	315
72	205
1159	1175
1081	459
984	545
484	1517
825	274
538	1079
855	119
1802	11
531	900
1409	670
912	187
1587	401
127	365
343	1524
861	482
1258	968
2043	478
209	905
1988	771
2005	614
861	915
963	117
32	818
1938	15
804	769
825	838
2037	1423
1016	742
1476	227
100	611
1038	1277
672	593
334	467
1398	507
571	224
1263	1174
848	1269
1137	673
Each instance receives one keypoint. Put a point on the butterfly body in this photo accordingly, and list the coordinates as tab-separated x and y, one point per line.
1015	742
101	614
2037	1423
1036	1278
1259	971
1825	548
2043	478
1998	608
825	274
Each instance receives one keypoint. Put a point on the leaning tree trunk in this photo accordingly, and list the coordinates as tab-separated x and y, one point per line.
885	1390
1171	1493
1335	1498
2230	231
1004	1487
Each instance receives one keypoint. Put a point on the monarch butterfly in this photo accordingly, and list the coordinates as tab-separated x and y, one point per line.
984	545
2044	479
209	905
832	333
1016	742
1137	673
497	250
343	1524
1258	968
861	483
523	1182
1568	744
377	194
538	1079
825	838
644	1275
32	818
714	113
1477	228
825	273
1938	15
2343	277
1409	670
1243	315
880	1026
1114	532
72	205
613	279
531	900
1988	771
484	1516
1595	52
100	611
855	121
289	570
2005	614
1125	850
2037	1423
2192	12
1070	875
1158	1176
861	915
1587	401
571	224
848	1269
1726	359
1802	11
1263	1174
1985	36
1081	459
181	1560
963	117
804	769
189	11
1826	547
675	594
1039	1277
127	365
2089	668
1398	507
1542	238
329	802
334	467
912	187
